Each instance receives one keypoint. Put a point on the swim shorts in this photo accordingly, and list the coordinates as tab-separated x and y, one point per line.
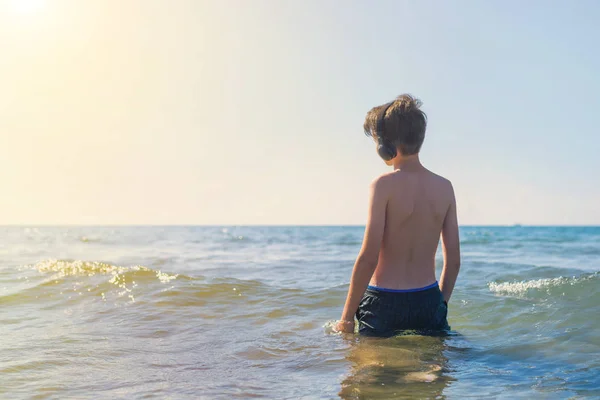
388	312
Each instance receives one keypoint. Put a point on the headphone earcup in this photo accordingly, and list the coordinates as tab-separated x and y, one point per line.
386	151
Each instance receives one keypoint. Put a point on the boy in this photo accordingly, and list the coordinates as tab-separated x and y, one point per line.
393	285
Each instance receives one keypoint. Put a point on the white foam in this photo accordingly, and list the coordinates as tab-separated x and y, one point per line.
522	287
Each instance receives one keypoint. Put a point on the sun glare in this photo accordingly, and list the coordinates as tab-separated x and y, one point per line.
28	6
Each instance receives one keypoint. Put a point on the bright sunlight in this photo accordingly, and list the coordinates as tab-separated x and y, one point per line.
28	6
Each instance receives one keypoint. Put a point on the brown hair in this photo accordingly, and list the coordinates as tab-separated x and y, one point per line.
402	125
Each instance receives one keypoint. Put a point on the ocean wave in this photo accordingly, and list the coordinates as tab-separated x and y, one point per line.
63	268
78	280
61	277
558	285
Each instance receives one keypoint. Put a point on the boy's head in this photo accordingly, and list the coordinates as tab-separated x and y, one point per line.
397	126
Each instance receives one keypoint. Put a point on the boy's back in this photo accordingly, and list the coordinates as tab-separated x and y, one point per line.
418	202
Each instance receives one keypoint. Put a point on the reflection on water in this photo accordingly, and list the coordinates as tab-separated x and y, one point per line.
408	366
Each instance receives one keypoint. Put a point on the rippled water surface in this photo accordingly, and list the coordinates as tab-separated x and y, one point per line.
244	312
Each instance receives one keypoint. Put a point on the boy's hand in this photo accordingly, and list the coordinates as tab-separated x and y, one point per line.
344	326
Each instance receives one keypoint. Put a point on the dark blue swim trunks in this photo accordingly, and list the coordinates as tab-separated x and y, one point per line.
387	312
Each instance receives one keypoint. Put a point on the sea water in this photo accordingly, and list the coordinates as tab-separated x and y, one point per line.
246	312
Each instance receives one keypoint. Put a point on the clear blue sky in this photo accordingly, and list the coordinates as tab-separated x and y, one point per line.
250	112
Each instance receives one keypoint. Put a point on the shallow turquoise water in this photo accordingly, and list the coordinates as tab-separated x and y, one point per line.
243	312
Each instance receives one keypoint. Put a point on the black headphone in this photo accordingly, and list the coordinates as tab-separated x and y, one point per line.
385	149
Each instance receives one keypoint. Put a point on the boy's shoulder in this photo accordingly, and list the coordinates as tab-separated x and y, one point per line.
384	180
440	178
394	176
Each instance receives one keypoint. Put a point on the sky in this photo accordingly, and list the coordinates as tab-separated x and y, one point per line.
250	112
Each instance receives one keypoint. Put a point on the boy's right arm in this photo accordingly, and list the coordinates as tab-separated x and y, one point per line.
451	249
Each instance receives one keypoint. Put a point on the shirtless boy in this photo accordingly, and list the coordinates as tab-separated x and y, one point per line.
393	285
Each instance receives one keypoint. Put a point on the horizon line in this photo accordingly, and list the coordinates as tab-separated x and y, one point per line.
290	225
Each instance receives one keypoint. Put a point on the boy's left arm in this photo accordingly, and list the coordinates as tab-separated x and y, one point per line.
366	262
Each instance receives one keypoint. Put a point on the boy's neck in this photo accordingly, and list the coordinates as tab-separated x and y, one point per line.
408	163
